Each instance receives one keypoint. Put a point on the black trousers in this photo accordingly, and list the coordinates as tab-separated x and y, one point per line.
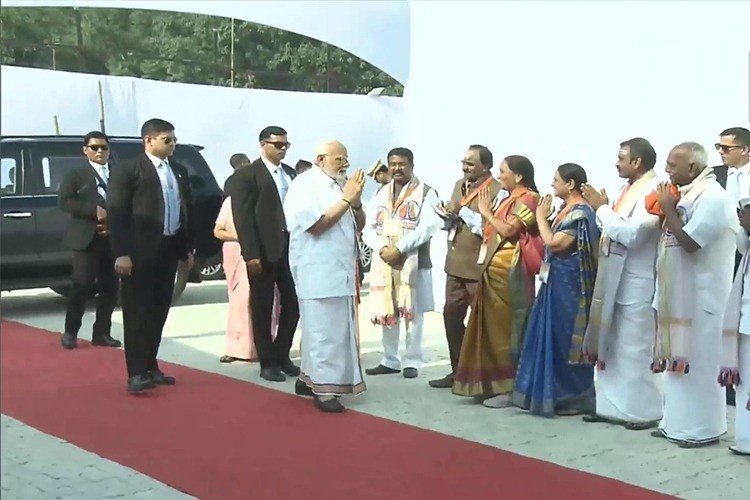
92	267
459	292
146	299
273	352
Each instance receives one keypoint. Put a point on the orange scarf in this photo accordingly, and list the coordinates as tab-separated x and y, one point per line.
475	192
652	201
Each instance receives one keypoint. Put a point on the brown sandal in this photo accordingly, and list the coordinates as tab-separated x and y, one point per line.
228	359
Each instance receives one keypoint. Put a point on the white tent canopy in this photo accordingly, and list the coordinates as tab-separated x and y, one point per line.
374	30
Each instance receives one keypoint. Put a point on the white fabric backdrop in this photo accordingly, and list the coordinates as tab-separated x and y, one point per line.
224	120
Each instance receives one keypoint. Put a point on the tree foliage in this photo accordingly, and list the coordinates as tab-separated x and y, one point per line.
181	47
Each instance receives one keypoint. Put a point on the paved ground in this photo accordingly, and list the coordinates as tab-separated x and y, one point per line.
194	337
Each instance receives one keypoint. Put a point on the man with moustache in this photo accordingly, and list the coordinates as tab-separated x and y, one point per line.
258	192
621	331
324	214
693	282
83	194
402	220
464	225
149	201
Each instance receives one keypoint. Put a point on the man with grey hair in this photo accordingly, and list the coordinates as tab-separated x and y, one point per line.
324	214
693	281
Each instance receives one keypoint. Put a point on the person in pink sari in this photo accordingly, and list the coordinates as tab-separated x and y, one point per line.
239	344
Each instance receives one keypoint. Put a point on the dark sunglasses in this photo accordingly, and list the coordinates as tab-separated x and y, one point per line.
280	145
98	147
725	148
167	140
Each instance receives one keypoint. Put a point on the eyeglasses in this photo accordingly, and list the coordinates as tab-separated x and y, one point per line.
725	148
98	147
279	144
166	139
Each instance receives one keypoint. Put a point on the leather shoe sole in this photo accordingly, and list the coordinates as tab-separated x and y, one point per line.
272	375
290	369
301	389
329	406
736	451
162	379
106	342
442	383
381	370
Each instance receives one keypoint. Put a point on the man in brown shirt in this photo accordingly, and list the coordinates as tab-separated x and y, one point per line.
464	225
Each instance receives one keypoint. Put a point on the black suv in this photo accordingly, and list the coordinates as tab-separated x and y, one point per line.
32	227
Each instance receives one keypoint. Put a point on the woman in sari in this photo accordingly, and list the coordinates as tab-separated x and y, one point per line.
513	251
553	378
239	344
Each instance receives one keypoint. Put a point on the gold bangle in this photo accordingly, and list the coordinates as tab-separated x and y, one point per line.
346	201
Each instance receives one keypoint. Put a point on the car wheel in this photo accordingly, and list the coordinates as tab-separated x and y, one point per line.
212	272
365	256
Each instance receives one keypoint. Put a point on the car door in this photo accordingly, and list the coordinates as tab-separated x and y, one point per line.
50	162
18	219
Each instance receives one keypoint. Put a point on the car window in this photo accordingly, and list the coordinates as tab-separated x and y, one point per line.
8	176
50	163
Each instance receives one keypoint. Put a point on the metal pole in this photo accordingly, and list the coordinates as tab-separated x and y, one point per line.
54	59
231	58
56	123
79	36
216	56
101	109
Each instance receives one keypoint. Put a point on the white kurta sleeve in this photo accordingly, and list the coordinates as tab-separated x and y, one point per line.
624	231
710	218
304	205
429	223
472	219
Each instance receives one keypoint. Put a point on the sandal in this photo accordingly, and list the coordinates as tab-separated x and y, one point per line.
228	359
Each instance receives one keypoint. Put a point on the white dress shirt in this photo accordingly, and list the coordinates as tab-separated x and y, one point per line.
738	182
103	171
280	177
170	192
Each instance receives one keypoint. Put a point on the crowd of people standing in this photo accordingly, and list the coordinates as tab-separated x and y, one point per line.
632	312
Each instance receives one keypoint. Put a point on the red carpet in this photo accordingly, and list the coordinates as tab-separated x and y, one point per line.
215	437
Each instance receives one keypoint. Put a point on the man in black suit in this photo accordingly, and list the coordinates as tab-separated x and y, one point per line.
257	193
149	215
83	194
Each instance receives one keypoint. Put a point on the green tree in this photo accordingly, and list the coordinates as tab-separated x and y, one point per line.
181	47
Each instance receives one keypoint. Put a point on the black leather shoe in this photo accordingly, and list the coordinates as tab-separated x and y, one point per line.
301	389
69	341
381	370
106	341
139	383
290	368
410	373
329	406
158	378
442	383
594	418
272	374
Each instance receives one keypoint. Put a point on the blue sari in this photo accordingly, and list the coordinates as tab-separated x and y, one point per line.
552	374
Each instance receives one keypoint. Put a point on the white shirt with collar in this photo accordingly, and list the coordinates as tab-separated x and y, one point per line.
170	192
738	182
103	171
323	266
280	177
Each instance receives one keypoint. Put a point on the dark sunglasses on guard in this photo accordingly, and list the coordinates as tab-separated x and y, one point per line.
98	147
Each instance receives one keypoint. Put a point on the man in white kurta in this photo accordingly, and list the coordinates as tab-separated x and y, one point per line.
402	219
694	278
322	217
621	330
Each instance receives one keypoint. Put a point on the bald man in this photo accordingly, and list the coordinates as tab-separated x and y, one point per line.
324	214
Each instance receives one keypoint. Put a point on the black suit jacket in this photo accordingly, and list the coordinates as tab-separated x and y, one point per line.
721	175
78	196
135	209
258	212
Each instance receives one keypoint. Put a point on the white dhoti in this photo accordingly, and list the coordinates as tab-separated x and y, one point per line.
329	345
742	421
627	390
694	403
